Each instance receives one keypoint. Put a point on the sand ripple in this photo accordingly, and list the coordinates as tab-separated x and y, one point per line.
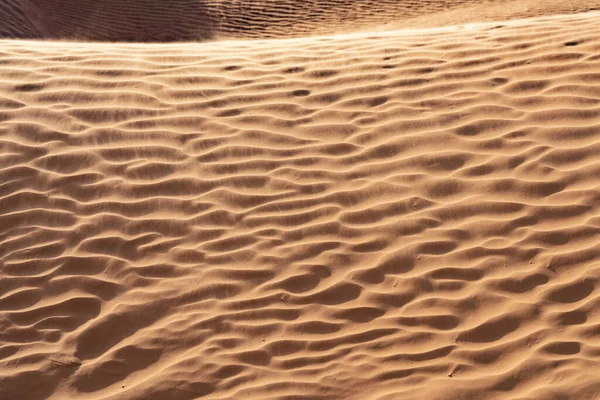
389	216
184	20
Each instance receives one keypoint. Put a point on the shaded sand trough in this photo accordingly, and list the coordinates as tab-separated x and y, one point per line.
393	215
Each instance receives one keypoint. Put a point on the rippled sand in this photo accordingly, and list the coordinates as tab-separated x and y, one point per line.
408	214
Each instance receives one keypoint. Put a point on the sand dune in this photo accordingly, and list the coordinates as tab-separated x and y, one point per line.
392	215
183	20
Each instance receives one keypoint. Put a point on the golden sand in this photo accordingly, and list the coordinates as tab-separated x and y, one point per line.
394	214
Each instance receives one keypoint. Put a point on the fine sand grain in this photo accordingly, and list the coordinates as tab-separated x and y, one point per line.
402	214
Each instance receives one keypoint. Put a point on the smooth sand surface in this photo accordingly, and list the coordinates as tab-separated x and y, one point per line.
407	214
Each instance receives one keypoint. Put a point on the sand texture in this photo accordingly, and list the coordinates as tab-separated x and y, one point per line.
177	20
405	214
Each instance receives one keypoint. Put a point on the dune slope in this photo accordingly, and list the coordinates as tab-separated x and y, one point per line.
400	215
185	20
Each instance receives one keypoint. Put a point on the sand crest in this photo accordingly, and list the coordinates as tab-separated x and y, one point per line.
184	20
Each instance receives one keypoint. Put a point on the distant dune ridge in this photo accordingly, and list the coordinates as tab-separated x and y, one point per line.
400	214
185	20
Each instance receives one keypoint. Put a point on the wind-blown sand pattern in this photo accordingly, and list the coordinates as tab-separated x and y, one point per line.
392	215
177	20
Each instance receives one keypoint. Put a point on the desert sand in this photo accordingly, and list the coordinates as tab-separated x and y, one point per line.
279	210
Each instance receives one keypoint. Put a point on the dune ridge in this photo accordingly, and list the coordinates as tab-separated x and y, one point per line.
194	20
394	215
